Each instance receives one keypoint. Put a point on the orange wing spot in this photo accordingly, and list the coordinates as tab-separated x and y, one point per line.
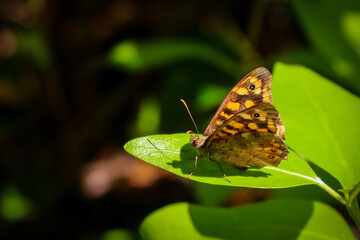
223	135
278	130
219	122
253	80
272	127
258	84
275	145
266	96
257	89
242	91
236	125
262	130
227	116
249	103
263	115
233	106
232	132
253	126
246	116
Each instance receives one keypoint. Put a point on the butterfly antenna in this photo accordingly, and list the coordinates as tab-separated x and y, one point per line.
187	108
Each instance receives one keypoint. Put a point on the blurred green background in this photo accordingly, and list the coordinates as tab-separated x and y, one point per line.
78	79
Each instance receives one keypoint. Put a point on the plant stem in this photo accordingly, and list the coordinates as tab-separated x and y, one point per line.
331	191
354	193
349	201
353	209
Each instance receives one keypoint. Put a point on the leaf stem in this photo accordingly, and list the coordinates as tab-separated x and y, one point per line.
352	204
321	184
353	209
354	193
331	191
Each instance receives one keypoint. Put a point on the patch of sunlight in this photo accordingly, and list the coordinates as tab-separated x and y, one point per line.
210	97
117	234
148	120
351	25
343	67
126	54
14	207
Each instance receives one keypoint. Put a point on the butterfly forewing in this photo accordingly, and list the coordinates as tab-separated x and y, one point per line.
253	89
260	118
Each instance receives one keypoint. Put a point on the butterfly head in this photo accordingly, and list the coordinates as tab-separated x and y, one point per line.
197	141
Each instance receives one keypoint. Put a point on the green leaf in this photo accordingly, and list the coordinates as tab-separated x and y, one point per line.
330	27
291	219
174	153
211	195
321	119
139	56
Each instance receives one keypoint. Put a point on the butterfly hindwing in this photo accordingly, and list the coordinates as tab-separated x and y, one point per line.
253	149
253	89
249	139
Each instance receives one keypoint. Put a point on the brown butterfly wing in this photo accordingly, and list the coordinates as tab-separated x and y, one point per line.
260	118
250	138
254	149
253	89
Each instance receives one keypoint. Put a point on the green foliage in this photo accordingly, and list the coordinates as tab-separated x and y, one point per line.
330	28
14	206
148	119
78	82
140	56
118	234
321	121
210	194
315	128
174	153
281	219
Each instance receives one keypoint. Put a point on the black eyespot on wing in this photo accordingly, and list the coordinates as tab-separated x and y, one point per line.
256	115
252	87
271	156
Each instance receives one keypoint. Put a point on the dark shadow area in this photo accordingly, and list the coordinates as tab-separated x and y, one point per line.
249	222
206	168
324	175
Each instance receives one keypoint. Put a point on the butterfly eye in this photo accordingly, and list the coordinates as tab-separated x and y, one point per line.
252	87
256	115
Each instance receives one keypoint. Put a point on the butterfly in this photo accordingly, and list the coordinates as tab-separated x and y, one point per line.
246	131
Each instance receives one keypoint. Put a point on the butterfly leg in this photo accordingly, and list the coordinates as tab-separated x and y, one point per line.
196	159
223	172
